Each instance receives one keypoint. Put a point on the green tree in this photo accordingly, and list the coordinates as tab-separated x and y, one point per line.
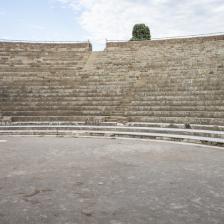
140	32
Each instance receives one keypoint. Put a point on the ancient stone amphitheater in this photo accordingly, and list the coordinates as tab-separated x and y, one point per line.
112	108
162	89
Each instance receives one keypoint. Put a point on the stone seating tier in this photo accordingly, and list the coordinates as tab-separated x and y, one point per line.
171	81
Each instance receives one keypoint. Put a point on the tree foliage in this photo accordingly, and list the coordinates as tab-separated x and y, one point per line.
140	32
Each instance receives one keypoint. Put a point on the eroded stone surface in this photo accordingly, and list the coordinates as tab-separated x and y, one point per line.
70	180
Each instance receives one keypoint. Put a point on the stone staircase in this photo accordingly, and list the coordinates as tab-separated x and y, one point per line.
167	81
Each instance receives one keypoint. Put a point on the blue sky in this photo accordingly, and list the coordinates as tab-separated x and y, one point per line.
38	20
97	20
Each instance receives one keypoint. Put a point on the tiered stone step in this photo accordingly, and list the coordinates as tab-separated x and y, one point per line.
179	120
112	117
72	112
130	130
82	118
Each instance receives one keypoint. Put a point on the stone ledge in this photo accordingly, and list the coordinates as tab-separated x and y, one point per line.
133	44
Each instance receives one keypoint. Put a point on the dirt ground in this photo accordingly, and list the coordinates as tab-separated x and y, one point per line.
57	180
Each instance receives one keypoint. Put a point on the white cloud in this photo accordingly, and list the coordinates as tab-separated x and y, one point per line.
114	19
